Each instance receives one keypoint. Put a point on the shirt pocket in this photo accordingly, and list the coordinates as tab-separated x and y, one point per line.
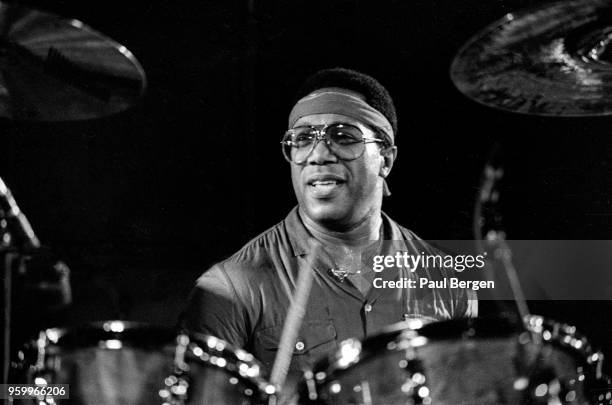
316	340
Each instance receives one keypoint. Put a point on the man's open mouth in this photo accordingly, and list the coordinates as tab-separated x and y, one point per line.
319	183
325	179
325	186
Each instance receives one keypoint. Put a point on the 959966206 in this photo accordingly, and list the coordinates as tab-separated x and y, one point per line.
34	391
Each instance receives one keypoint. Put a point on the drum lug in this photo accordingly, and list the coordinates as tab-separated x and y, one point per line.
545	389
175	391
415	386
311	387
601	391
176	385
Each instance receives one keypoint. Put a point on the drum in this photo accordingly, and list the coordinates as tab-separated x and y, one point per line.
467	361
112	362
208	370
118	362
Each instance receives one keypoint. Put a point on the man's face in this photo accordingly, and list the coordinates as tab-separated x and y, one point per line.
335	193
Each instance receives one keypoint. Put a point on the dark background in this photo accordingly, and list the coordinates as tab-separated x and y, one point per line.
139	204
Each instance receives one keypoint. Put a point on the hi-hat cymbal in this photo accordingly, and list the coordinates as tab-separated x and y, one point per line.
554	60
55	69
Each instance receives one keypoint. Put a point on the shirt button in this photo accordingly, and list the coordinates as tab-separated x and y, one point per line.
299	345
368	308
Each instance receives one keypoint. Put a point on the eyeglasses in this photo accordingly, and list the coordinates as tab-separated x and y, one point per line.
346	141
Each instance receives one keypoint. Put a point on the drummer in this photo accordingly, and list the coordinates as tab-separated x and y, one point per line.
340	148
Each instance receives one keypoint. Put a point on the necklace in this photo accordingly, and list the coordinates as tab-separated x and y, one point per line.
340	274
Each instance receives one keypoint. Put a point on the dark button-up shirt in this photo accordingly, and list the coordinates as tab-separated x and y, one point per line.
245	298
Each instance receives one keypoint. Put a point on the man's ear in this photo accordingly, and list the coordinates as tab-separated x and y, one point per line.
388	154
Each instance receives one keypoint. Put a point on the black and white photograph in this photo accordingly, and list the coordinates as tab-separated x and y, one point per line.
338	202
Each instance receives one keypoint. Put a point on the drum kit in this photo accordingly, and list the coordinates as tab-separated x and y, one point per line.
551	60
118	362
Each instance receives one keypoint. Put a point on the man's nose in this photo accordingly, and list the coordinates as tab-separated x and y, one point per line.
322	154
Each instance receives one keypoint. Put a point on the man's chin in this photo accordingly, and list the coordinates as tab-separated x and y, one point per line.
326	214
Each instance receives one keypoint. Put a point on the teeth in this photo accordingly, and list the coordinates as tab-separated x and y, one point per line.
324	182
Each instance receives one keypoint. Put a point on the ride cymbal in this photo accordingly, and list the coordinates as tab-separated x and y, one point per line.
554	60
55	69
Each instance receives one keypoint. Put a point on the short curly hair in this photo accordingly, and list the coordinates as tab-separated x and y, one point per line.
376	95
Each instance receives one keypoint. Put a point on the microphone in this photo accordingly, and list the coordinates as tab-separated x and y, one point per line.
21	225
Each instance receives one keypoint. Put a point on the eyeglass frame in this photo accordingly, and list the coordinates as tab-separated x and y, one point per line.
321	135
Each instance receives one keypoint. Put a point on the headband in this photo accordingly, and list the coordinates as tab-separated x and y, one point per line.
331	100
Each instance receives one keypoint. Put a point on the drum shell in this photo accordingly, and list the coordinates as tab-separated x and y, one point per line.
113	362
475	362
127	363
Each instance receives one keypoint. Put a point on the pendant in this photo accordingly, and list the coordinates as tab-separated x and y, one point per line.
339	274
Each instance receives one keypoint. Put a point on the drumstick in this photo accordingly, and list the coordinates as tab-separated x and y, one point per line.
293	321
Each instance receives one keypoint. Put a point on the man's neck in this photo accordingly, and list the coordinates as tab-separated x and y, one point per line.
359	235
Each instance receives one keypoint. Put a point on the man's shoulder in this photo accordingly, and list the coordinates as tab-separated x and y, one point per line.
261	246
256	254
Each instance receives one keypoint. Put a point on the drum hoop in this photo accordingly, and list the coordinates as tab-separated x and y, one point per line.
400	336
563	335
96	334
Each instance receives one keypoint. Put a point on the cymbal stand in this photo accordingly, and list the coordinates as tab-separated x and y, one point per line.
16	239
489	233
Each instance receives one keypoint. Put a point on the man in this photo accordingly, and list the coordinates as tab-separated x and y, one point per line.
341	147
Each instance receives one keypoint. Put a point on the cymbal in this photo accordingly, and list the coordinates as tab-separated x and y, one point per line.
55	69
554	60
